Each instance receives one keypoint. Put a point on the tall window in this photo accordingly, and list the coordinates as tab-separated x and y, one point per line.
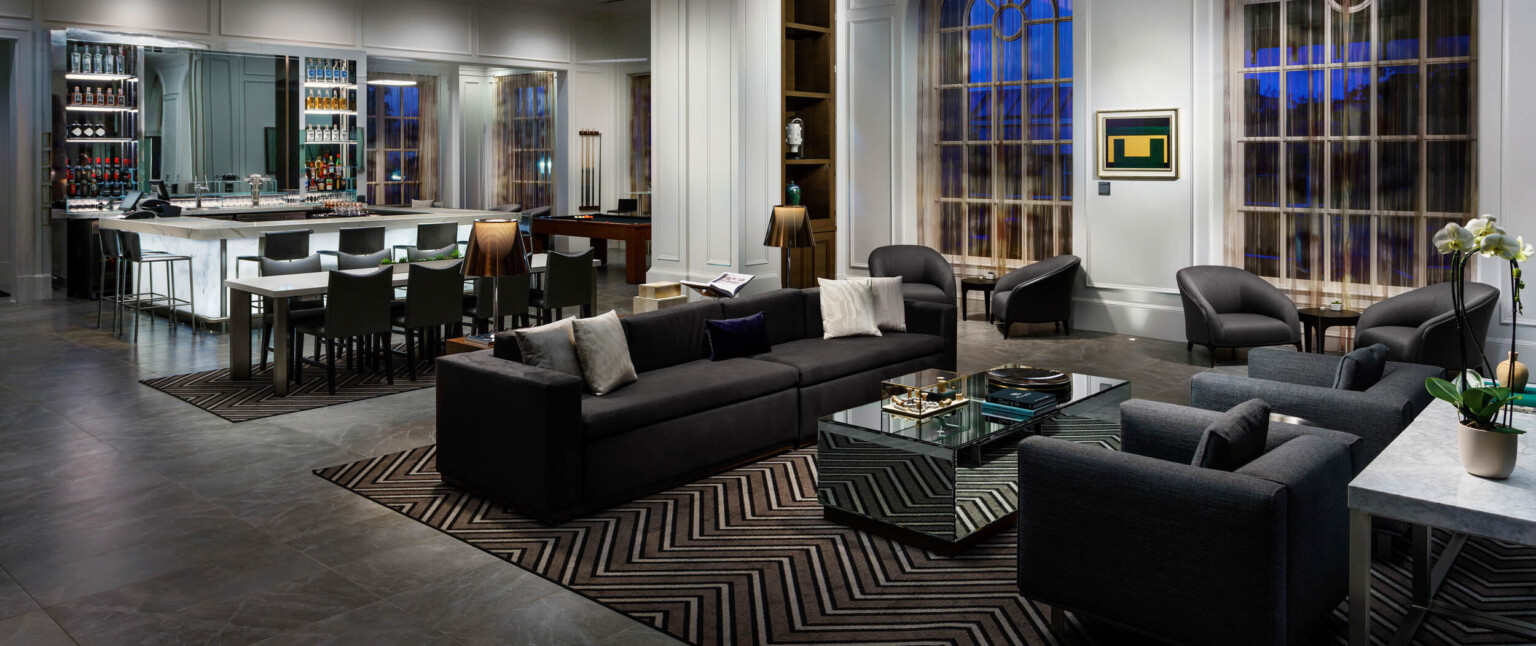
1002	161
1353	141
394	144
640	139
525	141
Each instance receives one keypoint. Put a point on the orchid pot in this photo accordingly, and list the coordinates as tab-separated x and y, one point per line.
1488	441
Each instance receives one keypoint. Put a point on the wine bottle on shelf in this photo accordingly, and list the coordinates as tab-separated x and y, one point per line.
96	60
120	59
101	97
108	64
74	59
101	129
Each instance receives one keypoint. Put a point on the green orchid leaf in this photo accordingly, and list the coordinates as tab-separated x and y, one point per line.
1474	400
1509	430
1443	390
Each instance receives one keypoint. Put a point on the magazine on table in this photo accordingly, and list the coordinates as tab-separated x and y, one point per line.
726	285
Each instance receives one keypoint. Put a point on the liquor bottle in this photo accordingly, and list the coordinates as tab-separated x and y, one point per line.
74	99
74	59
122	101
101	97
90	97
108	64
96	60
121	60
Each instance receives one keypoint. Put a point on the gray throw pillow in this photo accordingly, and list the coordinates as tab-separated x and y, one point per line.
1235	439
604	353
847	308
1361	369
890	307
551	346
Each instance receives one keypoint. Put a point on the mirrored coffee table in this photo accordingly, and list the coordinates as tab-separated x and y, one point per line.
945	482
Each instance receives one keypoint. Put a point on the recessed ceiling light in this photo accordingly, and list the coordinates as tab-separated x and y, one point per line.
392	82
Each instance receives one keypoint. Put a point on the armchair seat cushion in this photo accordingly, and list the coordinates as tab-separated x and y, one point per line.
1397	338
684	389
923	292
1255	329
822	360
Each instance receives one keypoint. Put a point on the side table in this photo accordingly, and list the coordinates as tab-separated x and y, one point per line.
463	344
1317	320
977	284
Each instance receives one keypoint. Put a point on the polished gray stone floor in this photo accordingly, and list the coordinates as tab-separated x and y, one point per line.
129	517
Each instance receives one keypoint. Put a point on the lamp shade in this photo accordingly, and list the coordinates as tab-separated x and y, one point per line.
789	226
495	249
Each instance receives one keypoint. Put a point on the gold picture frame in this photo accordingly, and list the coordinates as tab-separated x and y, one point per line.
1138	144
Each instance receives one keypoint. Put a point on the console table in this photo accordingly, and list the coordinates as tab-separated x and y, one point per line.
1418	479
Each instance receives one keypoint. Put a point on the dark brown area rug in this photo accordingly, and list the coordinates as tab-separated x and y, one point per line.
243	401
745	557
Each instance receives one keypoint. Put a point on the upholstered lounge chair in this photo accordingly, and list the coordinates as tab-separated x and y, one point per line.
925	275
1226	307
1420	327
1039	293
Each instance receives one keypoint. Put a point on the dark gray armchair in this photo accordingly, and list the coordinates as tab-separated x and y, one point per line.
1226	307
925	275
1300	384
1039	293
1141	538
1420	326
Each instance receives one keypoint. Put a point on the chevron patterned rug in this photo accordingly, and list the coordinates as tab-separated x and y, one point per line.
243	401
744	557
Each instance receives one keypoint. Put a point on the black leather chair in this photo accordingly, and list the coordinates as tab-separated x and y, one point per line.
506	208
357	306
1420	326
569	281
345	261
279	245
1039	293
925	275
300	309
359	241
434	298
430	237
1226	307
480	307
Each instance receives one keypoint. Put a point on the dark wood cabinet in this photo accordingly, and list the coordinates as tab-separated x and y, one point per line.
809	83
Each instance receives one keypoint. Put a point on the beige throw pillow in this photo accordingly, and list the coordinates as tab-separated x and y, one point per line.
604	353
847	308
890	308
551	346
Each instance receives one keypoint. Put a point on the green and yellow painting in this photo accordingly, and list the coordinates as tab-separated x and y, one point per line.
1137	145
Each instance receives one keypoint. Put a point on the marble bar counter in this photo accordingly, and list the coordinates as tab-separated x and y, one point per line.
216	245
211	211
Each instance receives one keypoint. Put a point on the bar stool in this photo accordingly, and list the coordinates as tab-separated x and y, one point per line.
525	224
140	301
109	252
279	245
432	237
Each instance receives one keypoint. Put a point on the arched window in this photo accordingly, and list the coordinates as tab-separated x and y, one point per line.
1000	163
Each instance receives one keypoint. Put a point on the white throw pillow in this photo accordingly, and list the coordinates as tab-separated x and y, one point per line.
847	308
604	353
890	306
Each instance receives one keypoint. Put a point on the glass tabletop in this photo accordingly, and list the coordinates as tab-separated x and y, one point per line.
973	422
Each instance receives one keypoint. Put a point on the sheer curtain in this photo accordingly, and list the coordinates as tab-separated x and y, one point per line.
524	140
403	141
1353	141
640	138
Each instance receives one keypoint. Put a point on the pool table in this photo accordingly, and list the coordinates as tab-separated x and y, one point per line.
634	231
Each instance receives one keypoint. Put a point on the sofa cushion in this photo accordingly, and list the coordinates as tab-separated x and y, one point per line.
669	337
604	353
1255	329
551	346
1234	439
820	360
811	300
890	308
783	310
741	337
923	292
674	391
1362	368
847	308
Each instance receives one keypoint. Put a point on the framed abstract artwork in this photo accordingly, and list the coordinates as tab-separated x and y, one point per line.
1138	144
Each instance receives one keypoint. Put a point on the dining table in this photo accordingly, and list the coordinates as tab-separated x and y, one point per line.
244	291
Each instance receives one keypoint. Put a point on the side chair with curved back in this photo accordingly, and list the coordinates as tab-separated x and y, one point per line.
1420	326
434	298
300	309
1227	307
569	281
925	275
1038	293
357	306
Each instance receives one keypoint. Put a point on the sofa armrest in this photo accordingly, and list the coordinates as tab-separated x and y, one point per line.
1172	433
1292	367
510	432
1405	382
937	319
1193	555
1375	419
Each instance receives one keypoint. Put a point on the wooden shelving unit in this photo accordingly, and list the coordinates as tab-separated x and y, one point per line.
809	83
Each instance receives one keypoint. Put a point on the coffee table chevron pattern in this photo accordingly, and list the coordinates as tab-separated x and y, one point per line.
744	557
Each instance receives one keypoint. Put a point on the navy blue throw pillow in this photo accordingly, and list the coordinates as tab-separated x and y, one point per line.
731	338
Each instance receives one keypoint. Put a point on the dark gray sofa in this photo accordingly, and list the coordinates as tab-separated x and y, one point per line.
1300	384
1141	538
534	440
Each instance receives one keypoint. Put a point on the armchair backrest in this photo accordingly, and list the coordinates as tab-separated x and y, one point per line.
569	279
434	296
915	264
359	304
1417	307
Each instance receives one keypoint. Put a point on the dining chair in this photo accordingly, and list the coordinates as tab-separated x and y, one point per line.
300	309
291	244
357	306
570	280
434	236
358	241
345	261
434	298
480	306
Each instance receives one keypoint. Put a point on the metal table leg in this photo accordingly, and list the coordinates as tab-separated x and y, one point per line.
1359	578
240	335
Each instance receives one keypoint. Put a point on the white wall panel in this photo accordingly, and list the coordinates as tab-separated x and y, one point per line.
330	22
1506	156
631	38
872	106
16	8
592	40
524	33
190	16
420	25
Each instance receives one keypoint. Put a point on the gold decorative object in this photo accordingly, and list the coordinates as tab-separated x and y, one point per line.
1513	374
923	394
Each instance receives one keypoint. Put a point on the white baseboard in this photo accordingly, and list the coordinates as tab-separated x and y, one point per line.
1130	318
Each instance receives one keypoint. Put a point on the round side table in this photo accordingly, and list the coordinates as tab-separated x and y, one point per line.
1317	320
975	284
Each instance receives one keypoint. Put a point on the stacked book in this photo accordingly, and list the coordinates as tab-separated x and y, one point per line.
1017	404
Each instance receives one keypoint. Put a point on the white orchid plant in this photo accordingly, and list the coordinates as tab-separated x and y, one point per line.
1480	406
